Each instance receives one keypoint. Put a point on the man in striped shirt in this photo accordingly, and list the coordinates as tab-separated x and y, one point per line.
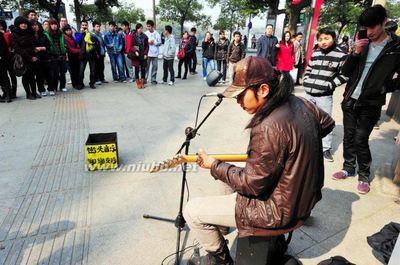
322	76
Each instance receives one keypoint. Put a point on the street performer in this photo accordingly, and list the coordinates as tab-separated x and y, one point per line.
284	173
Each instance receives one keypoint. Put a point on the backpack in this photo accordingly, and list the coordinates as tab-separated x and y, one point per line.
336	260
19	65
181	54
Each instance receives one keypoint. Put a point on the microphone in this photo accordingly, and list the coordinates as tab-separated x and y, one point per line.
214	94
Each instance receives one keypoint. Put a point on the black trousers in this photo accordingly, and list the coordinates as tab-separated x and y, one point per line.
4	80
168	65
74	68
193	61
358	123
140	69
11	73
300	70
186	62
28	81
100	68
92	67
39	69
57	71
223	64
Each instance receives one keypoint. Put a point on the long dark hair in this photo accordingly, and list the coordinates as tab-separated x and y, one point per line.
281	88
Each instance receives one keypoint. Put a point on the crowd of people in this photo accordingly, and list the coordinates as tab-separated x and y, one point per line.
43	53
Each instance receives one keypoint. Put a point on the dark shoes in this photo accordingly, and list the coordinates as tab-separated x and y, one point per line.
220	257
328	156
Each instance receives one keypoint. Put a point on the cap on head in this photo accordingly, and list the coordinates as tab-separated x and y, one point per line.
248	72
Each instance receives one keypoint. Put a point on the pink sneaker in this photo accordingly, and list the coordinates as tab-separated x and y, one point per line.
342	174
363	187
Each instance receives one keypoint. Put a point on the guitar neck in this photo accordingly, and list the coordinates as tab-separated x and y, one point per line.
226	157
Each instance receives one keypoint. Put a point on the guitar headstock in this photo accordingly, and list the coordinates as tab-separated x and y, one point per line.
168	163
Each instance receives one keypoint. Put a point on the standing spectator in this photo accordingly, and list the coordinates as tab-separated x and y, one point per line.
374	70
285	56
322	77
138	53
236	52
40	67
114	46
299	56
345	45
208	47
185	46
253	42
4	80
45	25
73	56
22	40
102	53
154	44
127	38
8	59
57	57
169	55
245	41
63	22
194	42
267	45
221	52
32	15
88	53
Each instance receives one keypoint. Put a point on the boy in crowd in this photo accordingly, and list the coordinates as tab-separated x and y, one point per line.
322	76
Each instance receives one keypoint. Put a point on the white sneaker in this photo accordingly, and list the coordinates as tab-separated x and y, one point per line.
171	83
69	82
43	94
223	81
131	80
162	83
64	89
52	93
98	83
204	78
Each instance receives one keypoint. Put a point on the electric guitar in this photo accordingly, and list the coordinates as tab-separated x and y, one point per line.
180	159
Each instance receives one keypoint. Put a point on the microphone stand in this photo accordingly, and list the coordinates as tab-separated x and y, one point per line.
179	221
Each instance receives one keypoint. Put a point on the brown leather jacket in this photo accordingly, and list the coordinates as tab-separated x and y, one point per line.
283	176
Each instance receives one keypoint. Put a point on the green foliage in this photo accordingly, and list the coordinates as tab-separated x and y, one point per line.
92	12
342	14
394	10
232	15
183	11
130	14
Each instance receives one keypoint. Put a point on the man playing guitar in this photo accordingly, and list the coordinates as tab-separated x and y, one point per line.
284	172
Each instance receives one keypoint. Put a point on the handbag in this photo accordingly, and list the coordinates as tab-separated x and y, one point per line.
181	54
19	65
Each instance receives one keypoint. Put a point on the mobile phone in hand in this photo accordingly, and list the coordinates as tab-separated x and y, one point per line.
362	34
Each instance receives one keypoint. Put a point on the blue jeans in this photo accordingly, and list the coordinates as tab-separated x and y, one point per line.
116	61
207	61
324	103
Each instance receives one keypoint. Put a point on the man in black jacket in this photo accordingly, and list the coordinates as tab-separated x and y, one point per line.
267	45
373	70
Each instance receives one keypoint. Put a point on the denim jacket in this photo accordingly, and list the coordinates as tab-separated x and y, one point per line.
114	42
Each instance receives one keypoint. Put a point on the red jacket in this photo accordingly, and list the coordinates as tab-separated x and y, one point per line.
285	57
72	47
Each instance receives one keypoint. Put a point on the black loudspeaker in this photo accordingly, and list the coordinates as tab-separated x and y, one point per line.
213	77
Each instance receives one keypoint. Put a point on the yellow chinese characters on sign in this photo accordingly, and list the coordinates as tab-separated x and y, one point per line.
101	156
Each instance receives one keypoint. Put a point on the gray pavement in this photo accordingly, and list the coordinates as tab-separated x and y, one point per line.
52	211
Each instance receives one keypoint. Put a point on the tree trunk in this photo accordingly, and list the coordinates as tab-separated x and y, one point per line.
77	11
